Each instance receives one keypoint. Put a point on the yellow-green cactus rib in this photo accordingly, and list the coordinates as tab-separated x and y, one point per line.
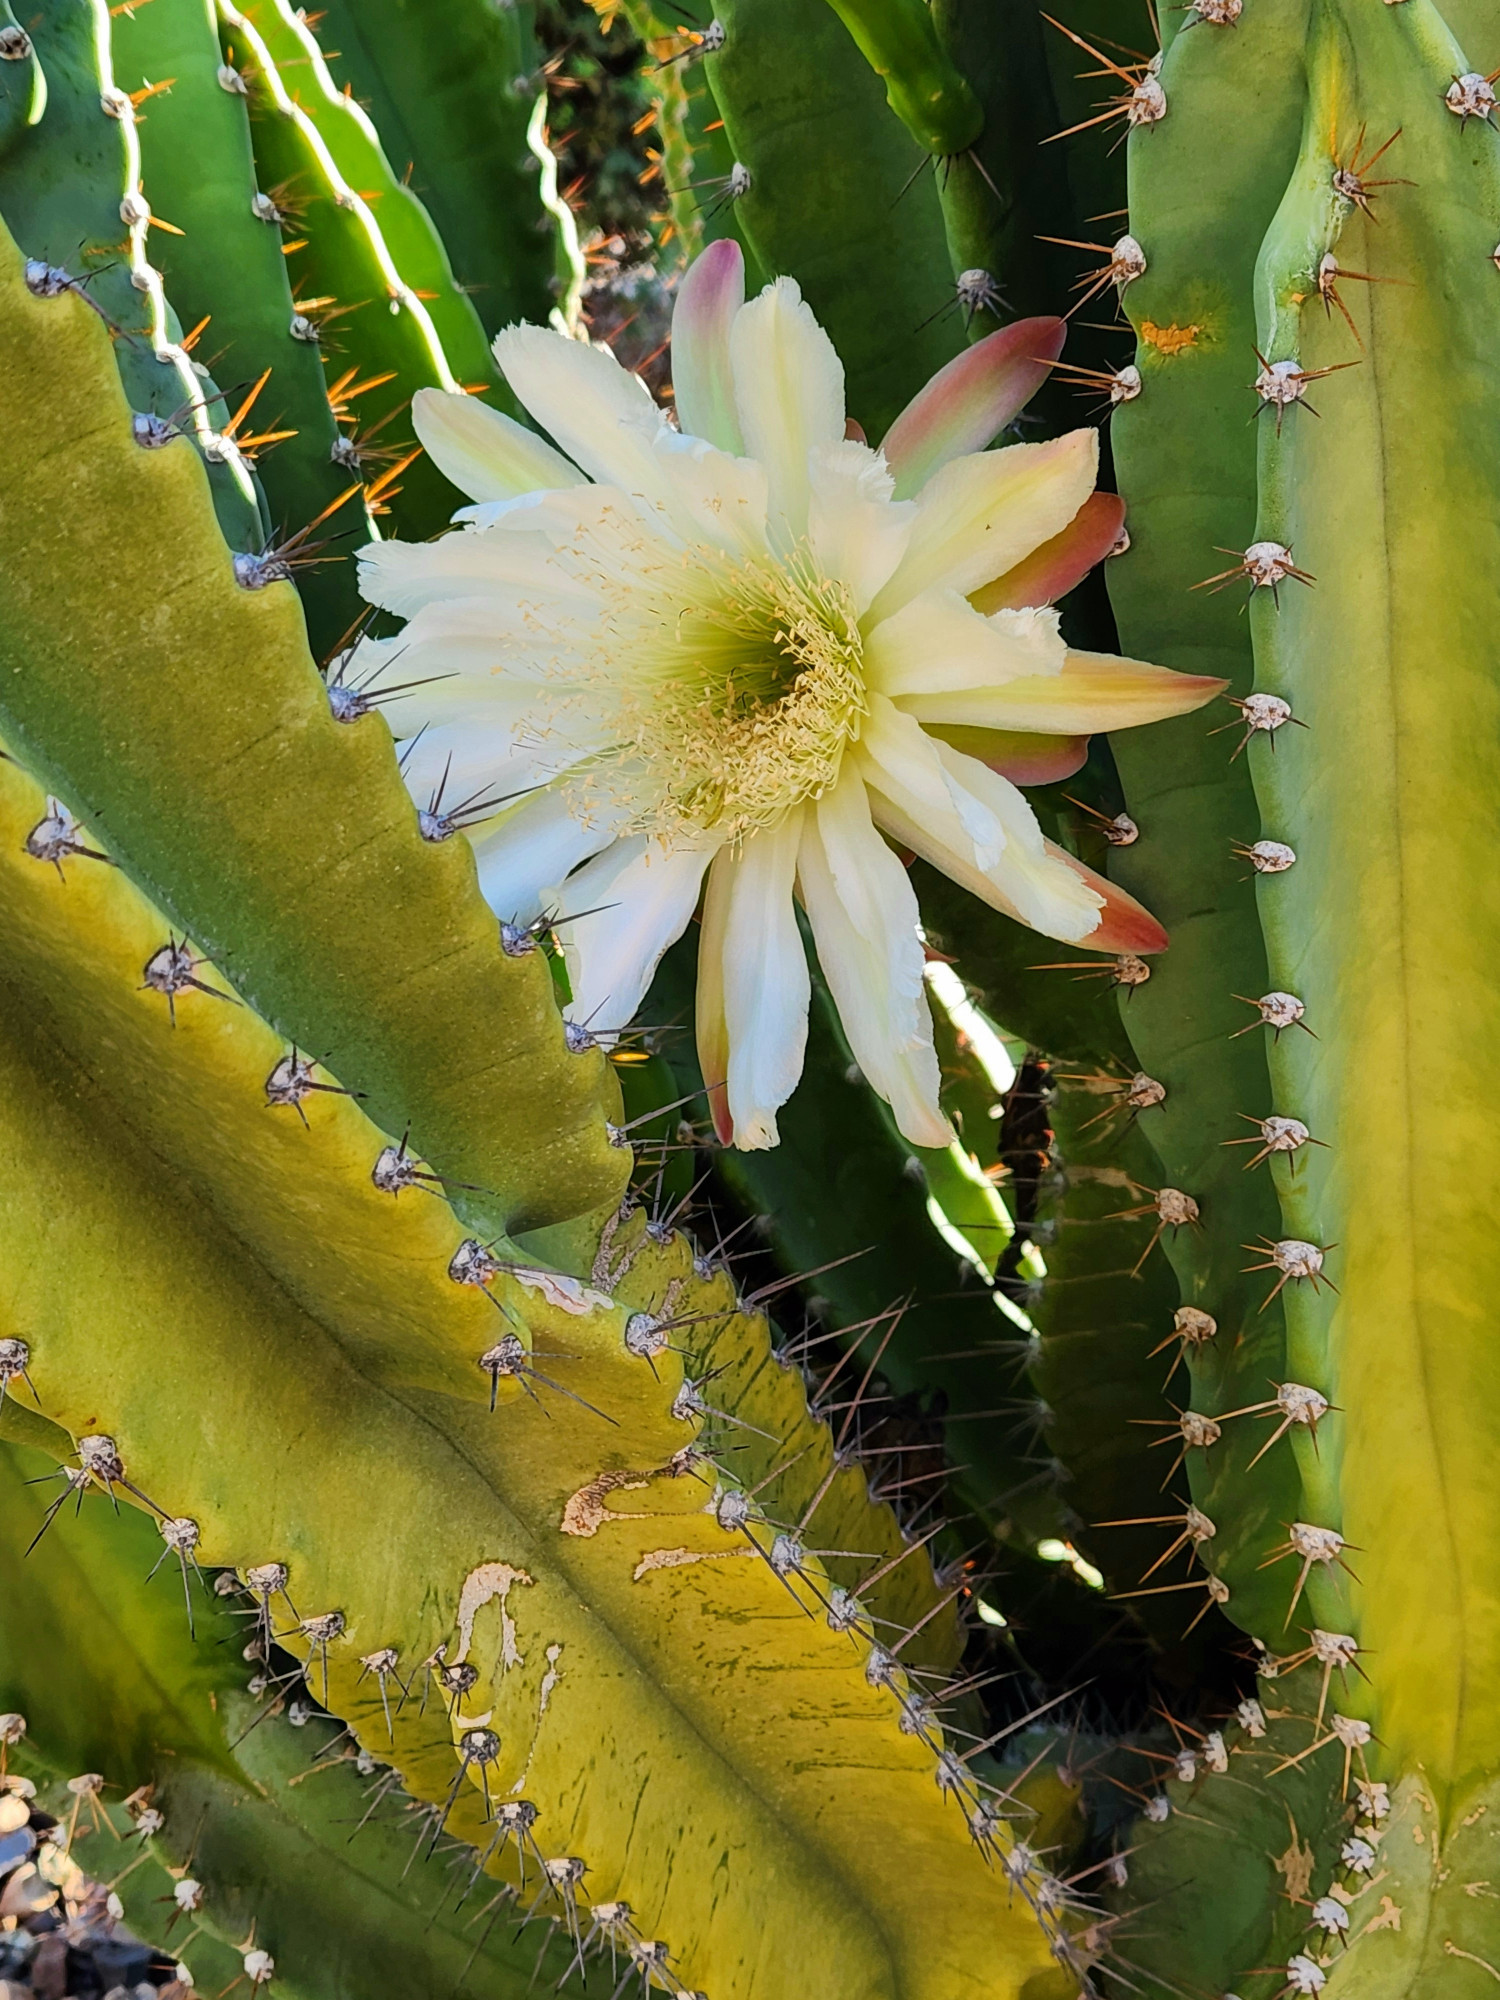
1184	455
290	1836
452	92
563	1549
901	44
220	254
823	165
71	196
1387	663
291	853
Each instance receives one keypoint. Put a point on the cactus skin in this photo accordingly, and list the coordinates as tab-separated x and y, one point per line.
930	97
62	186
227	267
1399	614
827	164
1184	457
277	1846
357	1355
452	95
257	869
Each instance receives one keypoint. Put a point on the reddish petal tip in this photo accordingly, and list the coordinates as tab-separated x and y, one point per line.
1124	924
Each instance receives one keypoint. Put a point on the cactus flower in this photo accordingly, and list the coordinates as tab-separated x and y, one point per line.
740	661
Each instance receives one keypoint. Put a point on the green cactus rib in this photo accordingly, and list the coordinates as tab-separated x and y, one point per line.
1184	455
71	196
371	279
581	1562
932	99
452	92
1105	1346
292	853
827	164
696	158
873	1256
226	267
1249	1812
1388	663
292	1838
23	87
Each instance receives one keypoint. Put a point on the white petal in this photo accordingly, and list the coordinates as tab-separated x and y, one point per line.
711	293
1026	882
716	498
765	981
980	515
864	919
789	391
406	576
520	858
899	758
600	414
858	533
939	641
486	454
641	896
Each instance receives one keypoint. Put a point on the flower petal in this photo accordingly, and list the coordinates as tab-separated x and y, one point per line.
1025	760
639	897
1124	924
708	1001
711	293
1060	565
405	577
857	532
1026	881
899	758
968	403
939	642
598	412
521	857
789	392
761	977
486	454
864	919
981	515
1094	692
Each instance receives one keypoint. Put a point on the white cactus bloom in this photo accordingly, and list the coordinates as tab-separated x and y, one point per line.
746	660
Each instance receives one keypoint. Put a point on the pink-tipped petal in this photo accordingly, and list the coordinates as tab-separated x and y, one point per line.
1024	759
1124	924
967	404
1060	565
711	293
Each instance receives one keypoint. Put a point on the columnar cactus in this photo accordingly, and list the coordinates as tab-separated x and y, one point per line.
1056	1476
